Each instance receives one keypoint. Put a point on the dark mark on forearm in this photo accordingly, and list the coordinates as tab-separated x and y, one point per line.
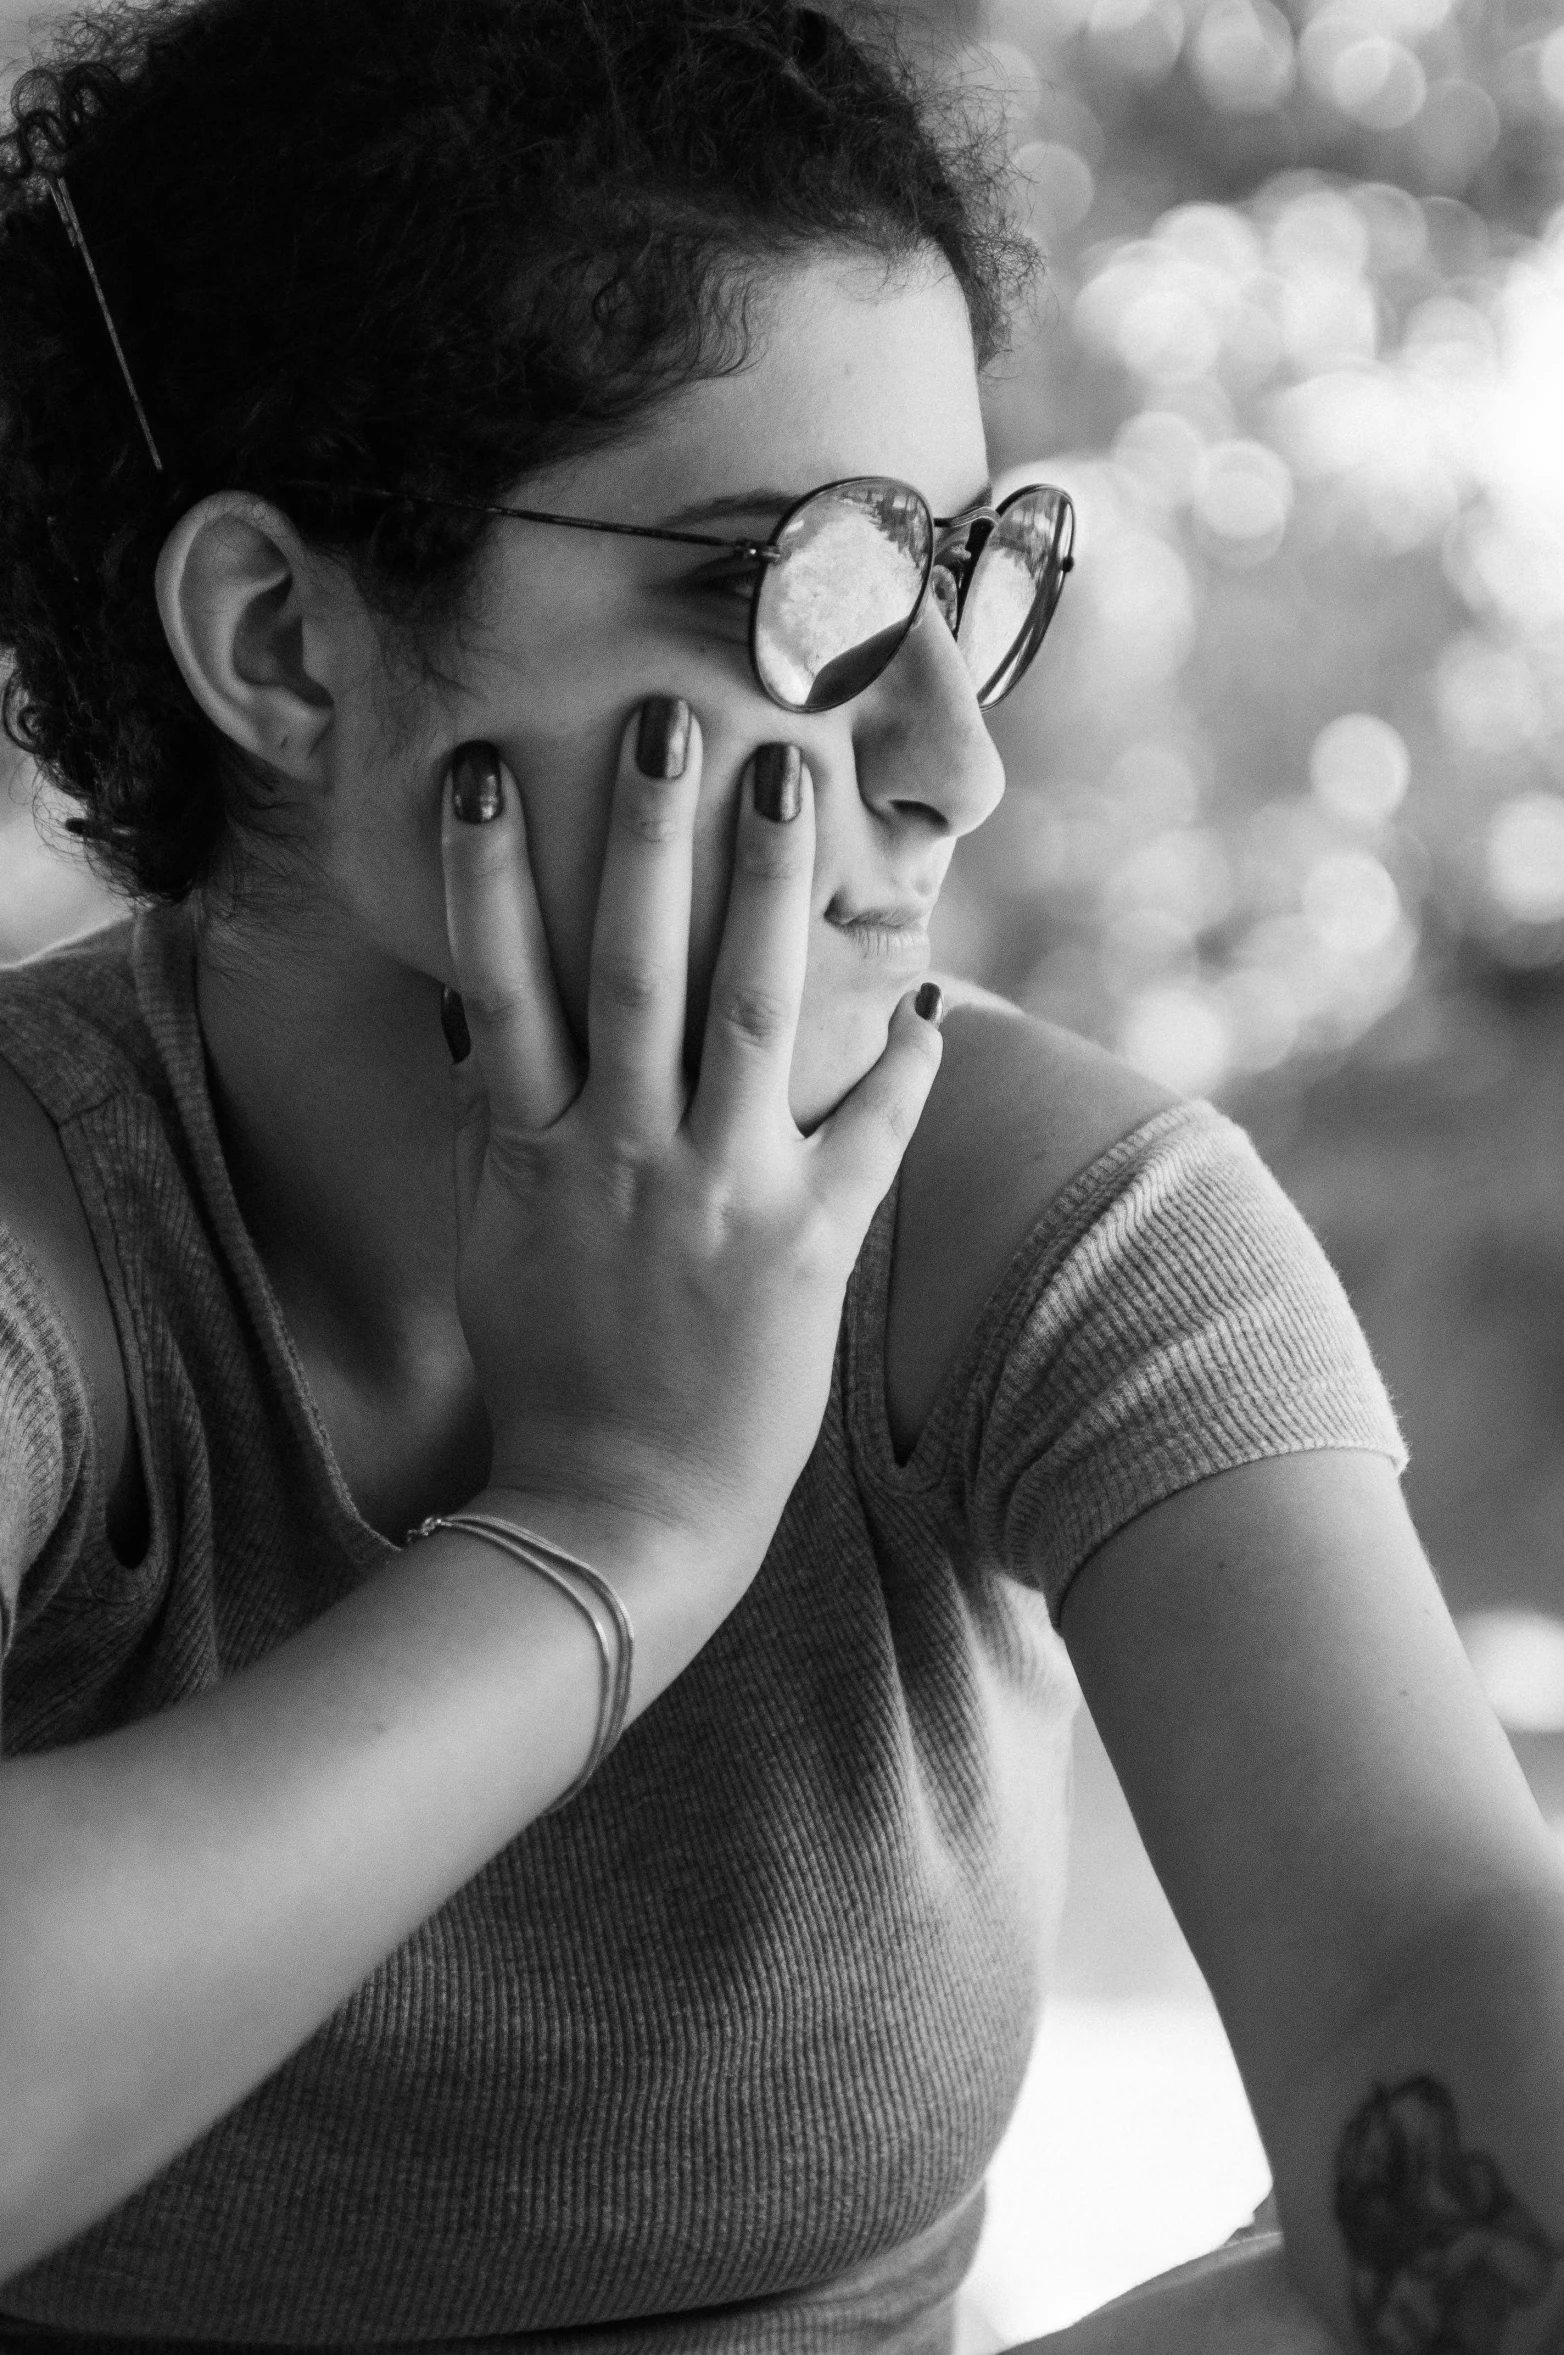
1442	2252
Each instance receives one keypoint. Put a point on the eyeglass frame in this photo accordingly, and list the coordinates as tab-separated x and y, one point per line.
767	551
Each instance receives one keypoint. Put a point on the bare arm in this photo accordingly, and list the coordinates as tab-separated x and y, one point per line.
189	1898
1377	1904
1240	2300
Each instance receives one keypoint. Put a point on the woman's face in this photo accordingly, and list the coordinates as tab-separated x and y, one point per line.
570	631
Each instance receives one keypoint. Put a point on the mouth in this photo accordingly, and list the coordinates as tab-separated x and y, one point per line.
897	933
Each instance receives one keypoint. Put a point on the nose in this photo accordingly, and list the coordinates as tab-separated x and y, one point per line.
921	746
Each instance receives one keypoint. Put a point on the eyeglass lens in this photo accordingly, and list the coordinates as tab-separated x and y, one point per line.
837	603
834	607
1013	589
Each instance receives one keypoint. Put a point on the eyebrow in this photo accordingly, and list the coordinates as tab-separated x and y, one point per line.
766	500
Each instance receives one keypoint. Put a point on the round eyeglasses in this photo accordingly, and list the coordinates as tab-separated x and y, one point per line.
842	579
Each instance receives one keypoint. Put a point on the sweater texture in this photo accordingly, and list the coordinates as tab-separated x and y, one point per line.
715	2058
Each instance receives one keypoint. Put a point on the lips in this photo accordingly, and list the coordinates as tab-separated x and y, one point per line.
905	915
898	929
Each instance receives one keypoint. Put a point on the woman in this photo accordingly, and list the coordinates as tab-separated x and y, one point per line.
407	416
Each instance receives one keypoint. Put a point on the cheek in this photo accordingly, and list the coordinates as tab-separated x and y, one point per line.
381	851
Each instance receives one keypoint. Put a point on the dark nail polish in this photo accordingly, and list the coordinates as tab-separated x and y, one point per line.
779	782
477	788
662	741
930	1003
453	1021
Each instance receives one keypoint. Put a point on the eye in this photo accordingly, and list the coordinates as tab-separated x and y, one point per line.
734	577
945	593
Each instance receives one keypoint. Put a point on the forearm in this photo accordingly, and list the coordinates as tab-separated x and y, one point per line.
186	1900
1474	2027
1420	2165
1240	2300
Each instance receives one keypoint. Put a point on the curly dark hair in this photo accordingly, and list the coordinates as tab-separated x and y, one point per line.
427	245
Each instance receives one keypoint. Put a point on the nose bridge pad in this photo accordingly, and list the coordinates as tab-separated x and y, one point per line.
945	589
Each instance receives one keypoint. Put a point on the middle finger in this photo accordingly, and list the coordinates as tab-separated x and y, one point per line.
641	935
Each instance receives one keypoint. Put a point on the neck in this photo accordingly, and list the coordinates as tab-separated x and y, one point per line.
331	1084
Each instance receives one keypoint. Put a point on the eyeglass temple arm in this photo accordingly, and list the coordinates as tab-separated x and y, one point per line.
760	551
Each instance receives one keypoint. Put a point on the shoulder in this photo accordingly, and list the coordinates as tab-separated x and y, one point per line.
41	1209
71	1024
1019	1110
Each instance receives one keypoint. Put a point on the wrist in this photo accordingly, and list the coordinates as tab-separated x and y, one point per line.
676	1587
627	1496
621	1541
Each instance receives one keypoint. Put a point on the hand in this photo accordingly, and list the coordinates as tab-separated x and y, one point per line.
651	1277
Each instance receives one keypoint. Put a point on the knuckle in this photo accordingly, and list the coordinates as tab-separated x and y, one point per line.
490	999
758	1016
899	1115
517	1160
627	984
624	1177
480	854
771	857
646	812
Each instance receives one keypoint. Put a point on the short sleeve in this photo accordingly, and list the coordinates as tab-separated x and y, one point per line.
45	1428
1174	1317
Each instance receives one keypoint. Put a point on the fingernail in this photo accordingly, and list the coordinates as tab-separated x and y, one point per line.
779	782
477	788
930	1003
453	1021
662	741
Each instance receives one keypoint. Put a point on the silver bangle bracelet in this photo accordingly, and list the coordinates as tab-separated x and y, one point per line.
592	1595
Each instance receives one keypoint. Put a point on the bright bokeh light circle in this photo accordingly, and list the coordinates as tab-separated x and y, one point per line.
1264	1016
1243	56
1526	857
1243	494
1378	82
1178	1035
1141	37
1360	768
1162	451
1351	903
1059	183
1165	332
1139	589
1319	230
1457	131
1396	223
1550	68
1487	697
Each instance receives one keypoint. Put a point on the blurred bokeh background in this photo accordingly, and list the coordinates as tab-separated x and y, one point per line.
1285	827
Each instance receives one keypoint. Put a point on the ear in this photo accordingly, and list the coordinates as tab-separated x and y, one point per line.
250	622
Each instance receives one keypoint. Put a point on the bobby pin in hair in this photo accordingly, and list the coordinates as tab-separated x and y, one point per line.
67	212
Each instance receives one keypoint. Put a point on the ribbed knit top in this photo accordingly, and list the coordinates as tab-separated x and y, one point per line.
716	2057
